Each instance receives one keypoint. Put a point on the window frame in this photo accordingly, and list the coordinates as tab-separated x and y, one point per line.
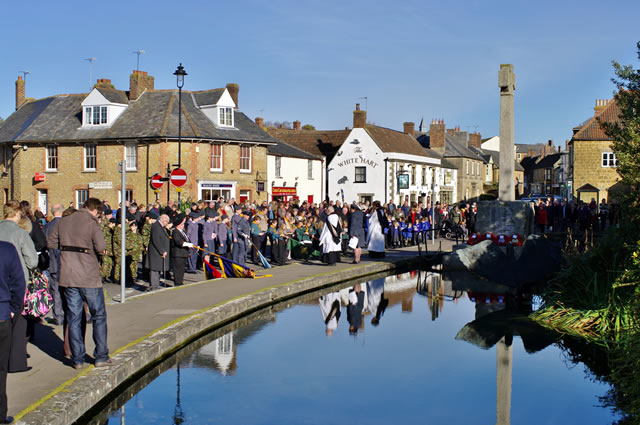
225	116
51	159
128	157
78	192
278	167
363	175
245	158
608	160
87	157
309	169
213	157
96	115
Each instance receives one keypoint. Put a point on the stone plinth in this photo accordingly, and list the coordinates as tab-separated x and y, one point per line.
501	217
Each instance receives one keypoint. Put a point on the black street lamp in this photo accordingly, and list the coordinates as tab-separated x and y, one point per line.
180	73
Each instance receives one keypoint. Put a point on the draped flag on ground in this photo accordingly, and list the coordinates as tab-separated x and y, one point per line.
231	269
210	270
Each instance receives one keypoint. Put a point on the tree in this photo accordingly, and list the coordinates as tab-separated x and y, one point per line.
308	127
626	133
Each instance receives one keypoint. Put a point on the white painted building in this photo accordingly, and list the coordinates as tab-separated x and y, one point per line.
294	174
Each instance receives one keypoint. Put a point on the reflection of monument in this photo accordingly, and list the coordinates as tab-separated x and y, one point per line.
504	362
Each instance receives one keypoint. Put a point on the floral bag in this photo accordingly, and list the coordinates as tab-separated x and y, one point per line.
37	299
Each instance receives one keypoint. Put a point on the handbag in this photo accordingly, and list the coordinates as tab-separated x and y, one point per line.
37	299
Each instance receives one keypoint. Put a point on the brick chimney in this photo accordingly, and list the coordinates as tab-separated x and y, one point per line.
260	122
297	125
437	134
19	92
234	90
475	140
359	117
600	104
409	128
104	82
139	82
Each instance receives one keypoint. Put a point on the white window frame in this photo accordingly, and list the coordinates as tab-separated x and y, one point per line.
363	175
96	115
467	166
309	169
128	193
87	157
609	160
213	156
225	116
51	157
81	197
244	193
245	158
278	167
131	156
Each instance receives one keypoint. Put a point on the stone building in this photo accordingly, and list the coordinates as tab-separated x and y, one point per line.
592	160
66	148
453	145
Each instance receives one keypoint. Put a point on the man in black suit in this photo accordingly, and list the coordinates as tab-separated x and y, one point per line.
158	251
179	249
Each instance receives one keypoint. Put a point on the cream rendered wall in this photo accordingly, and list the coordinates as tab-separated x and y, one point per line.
294	170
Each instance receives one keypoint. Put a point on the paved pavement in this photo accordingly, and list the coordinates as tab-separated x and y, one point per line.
144	314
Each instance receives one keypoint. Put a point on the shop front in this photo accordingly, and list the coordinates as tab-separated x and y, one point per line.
212	190
281	193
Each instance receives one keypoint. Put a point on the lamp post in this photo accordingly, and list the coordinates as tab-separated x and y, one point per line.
180	73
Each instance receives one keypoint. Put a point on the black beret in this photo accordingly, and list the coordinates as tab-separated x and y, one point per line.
113	220
178	219
152	215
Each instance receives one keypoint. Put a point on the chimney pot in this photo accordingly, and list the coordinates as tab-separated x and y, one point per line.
359	117
234	90
357	106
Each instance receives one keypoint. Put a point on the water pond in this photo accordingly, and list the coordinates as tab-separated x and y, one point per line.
412	348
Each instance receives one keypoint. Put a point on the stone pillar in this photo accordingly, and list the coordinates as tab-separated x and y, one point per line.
504	364
507	84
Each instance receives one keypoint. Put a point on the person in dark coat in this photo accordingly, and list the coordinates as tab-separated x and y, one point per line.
179	249
12	288
158	251
356	229
241	235
54	267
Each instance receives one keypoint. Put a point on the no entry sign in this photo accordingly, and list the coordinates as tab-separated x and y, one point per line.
178	177
156	181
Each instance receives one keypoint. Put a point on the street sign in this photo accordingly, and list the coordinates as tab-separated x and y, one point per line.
178	189
178	177
156	181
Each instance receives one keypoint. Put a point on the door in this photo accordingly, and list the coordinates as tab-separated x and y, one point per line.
43	201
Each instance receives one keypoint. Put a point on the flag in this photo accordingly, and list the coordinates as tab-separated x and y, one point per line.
211	270
264	261
231	269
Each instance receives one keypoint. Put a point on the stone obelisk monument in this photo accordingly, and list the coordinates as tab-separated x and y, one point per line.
507	84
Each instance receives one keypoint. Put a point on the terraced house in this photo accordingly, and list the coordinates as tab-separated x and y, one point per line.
66	148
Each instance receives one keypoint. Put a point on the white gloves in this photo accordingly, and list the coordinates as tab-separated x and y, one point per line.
188	245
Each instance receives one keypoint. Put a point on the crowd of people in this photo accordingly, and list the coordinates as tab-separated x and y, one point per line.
553	214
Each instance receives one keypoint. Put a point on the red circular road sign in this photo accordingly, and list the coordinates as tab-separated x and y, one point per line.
178	177
156	181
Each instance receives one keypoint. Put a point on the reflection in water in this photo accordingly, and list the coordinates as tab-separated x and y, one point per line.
296	384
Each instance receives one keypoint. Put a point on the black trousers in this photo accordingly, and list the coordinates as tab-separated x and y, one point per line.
5	349
178	270
256	240
18	356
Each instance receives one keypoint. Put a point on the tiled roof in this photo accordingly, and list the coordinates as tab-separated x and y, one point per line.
315	142
114	96
455	145
153	115
395	141
592	130
445	163
487	154
524	147
548	161
208	97
285	149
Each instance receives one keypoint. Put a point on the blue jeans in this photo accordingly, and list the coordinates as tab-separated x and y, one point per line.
94	297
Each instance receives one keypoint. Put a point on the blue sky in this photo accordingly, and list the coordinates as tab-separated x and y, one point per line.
313	60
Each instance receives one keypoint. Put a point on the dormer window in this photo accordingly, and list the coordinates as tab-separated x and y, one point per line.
95	115
225	116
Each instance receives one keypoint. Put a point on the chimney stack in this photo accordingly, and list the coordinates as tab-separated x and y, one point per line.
475	140
104	82
19	92
260	122
600	104
297	125
409	128
359	117
437	134
139	82
234	90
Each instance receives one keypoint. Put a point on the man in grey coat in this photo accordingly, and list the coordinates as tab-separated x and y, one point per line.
80	240
159	248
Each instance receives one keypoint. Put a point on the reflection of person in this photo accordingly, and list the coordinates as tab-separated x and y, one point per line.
330	309
354	309
376	302
12	287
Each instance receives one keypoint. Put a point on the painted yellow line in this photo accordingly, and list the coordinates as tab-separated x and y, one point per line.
64	385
